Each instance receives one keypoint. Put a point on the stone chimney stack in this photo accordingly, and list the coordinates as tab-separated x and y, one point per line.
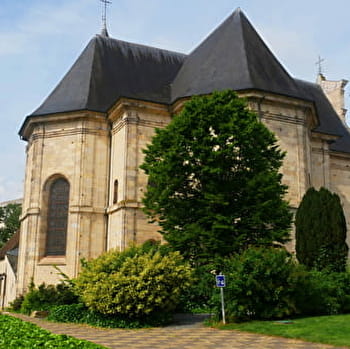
334	90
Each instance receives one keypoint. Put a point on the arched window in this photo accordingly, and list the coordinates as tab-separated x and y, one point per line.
57	218
115	193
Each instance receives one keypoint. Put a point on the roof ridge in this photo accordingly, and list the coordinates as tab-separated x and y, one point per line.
141	46
240	13
90	73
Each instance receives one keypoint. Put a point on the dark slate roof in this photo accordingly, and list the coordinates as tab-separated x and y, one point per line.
329	121
232	57
109	69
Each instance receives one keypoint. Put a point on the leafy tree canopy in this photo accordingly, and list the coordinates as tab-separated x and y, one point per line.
9	221
214	186
321	231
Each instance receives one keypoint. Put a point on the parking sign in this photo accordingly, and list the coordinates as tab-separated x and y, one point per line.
220	281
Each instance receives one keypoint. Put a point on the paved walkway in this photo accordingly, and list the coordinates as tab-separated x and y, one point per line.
174	337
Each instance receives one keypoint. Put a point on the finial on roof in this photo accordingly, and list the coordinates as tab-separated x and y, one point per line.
319	64
104	31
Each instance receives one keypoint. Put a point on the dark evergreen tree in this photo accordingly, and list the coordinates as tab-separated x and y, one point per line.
321	231
214	181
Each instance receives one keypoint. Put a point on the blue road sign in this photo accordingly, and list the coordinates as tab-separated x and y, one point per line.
220	281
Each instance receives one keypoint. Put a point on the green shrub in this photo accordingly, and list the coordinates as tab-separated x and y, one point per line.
198	297
73	313
79	313
44	297
260	284
266	283
323	293
16	304
135	283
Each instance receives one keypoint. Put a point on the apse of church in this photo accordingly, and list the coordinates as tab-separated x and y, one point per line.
83	184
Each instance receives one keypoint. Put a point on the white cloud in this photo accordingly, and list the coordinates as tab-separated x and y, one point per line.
10	190
12	43
43	21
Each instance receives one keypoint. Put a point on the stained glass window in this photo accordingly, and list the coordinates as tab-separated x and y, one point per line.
57	218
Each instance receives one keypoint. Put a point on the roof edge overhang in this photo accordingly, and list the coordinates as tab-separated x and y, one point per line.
32	120
173	107
339	153
125	103
329	137
249	89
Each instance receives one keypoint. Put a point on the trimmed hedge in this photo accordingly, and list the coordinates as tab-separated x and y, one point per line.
79	313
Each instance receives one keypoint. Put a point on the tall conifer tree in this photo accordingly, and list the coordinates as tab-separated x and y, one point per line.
214	181
321	231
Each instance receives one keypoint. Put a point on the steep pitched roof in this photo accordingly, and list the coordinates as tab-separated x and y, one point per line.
109	69
232	57
329	121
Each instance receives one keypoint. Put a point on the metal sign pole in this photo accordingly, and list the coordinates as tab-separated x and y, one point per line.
222	305
220	282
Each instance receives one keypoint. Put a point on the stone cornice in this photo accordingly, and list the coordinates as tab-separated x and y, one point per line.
31	211
86	209
130	106
70	132
31	122
339	154
324	136
124	204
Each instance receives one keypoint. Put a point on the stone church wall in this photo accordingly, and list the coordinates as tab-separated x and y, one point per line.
75	147
133	128
340	183
289	120
100	158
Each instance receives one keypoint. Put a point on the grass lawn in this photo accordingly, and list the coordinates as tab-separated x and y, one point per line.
334	330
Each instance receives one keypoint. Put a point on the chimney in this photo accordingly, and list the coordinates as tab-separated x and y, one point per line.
334	90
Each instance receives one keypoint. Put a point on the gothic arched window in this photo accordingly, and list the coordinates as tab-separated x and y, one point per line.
57	218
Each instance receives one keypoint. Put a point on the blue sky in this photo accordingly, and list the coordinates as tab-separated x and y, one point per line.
40	40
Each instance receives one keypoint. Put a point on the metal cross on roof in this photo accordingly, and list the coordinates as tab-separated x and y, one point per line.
318	63
104	14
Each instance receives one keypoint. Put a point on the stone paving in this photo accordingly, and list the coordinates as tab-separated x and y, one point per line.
174	337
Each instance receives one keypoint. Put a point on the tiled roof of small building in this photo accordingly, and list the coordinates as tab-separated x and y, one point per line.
11	244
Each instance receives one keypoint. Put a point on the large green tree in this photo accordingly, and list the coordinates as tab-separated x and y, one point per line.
214	183
9	221
321	231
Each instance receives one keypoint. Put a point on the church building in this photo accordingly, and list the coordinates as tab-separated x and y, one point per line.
83	185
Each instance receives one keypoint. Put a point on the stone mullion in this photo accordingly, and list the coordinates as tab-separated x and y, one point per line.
74	215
